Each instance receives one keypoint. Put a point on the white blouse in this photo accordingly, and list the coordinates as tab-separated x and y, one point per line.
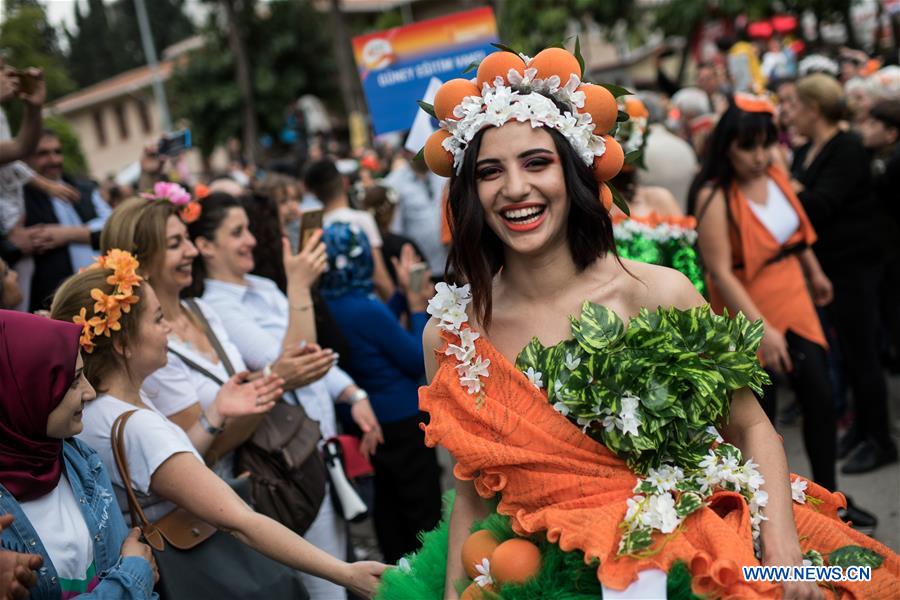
777	214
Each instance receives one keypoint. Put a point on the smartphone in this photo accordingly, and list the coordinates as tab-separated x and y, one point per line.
27	82
173	144
417	277
310	221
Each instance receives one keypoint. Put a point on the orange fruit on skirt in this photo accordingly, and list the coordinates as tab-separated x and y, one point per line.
610	162
606	196
438	159
496	65
450	95
601	105
515	561
636	108
474	592
555	61
478	546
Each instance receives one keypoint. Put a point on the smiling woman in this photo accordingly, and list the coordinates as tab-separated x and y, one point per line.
602	418
519	185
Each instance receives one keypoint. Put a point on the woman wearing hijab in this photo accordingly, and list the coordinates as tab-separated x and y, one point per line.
388	362
53	485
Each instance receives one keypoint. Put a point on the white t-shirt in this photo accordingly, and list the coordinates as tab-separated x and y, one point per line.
360	218
176	386
777	214
150	439
60	525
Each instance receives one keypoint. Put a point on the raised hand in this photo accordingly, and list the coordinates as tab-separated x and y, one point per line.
305	267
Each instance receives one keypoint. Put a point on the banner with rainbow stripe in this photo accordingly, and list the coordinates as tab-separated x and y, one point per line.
396	65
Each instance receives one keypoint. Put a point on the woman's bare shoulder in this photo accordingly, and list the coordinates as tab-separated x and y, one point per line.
662	201
652	286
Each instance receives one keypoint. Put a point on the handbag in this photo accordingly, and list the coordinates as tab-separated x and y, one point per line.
340	461
194	559
287	473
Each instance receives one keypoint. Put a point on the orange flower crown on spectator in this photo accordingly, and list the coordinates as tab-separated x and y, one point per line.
753	104
177	195
547	90
108	308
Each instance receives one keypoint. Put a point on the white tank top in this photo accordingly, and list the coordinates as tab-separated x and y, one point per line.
777	214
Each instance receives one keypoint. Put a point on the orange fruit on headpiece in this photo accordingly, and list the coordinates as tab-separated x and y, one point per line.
439	160
496	65
475	592
606	196
635	108
610	162
601	105
515	561
478	546
555	61
450	95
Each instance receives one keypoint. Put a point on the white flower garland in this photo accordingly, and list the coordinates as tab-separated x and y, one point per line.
655	506
626	230
524	100
449	307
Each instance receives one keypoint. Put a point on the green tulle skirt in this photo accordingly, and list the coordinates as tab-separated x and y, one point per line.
563	575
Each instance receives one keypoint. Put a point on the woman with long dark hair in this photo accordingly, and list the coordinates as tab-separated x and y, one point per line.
596	408
756	243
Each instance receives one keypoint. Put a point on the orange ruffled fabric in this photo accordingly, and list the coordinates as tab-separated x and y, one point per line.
553	478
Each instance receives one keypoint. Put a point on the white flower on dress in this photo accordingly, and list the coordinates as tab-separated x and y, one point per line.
711	430
561	409
665	478
403	565
535	377
798	490
484	579
571	362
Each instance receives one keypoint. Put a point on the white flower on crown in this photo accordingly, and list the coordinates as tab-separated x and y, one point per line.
525	100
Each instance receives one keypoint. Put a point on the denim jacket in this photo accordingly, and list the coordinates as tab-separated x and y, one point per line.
120	578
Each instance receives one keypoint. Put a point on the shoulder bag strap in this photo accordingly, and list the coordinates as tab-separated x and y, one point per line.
196	367
211	335
138	518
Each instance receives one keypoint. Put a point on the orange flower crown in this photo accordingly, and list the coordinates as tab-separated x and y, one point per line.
178	196
108	308
547	90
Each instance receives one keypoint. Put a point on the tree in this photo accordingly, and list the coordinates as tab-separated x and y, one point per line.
529	26
107	40
30	41
289	53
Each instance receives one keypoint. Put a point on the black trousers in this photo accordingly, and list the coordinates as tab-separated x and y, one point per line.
811	385
407	488
855	316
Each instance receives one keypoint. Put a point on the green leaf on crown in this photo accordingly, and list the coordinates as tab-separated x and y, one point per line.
814	557
429	108
617	91
472	66
855	556
532	356
635	541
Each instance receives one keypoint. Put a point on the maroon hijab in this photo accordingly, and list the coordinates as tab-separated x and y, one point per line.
37	366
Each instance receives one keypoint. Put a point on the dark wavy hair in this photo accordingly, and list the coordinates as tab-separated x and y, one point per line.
477	254
214	209
748	129
268	260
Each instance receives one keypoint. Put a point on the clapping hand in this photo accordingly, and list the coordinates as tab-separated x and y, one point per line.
239	397
302	365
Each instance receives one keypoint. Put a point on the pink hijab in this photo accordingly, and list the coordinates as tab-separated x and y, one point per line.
37	366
